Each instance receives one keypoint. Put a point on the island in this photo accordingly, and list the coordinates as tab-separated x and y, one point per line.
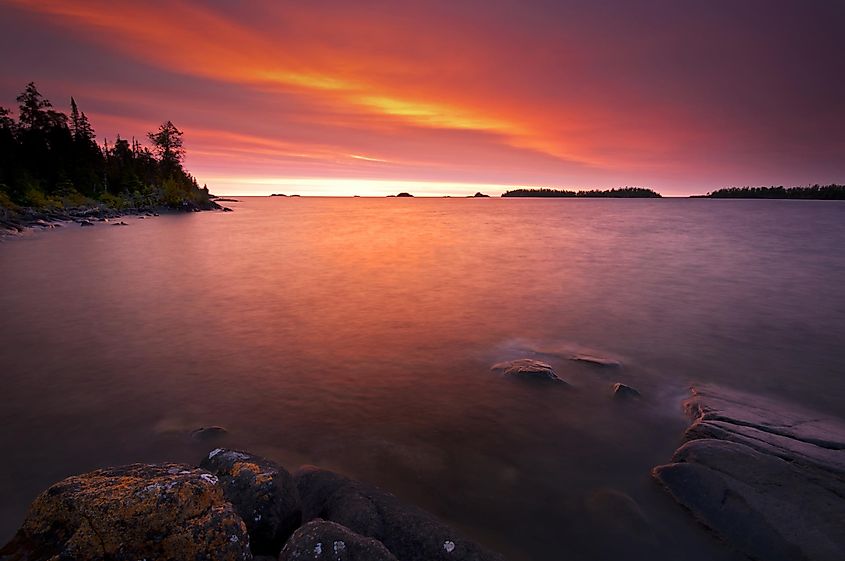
621	193
824	192
52	169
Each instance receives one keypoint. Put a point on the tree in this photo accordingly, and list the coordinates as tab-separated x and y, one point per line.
167	144
79	124
33	108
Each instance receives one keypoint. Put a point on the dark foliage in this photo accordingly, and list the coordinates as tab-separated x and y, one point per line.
49	159
810	192
621	193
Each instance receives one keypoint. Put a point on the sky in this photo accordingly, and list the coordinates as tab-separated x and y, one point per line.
371	97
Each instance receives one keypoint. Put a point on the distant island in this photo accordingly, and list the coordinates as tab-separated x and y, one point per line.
621	193
51	168
824	192
403	194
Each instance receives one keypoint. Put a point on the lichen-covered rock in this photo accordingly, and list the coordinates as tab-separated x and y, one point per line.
528	369
140	511
766	475
408	532
327	541
262	492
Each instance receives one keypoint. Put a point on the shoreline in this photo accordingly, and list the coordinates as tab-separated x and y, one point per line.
18	222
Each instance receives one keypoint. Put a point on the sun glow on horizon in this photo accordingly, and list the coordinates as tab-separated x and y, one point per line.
334	187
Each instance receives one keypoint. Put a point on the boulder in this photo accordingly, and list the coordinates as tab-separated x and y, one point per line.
140	511
767	476
408	532
85	223
262	492
529	369
323	540
624	392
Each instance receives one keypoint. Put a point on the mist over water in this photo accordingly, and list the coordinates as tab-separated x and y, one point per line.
358	334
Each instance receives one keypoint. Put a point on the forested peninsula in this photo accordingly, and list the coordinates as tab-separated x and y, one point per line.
622	193
53	169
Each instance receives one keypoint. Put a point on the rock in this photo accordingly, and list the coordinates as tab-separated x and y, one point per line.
596	360
121	223
323	540
622	520
208	433
767	476
527	368
624	392
263	493
167	511
85	223
227	209
408	532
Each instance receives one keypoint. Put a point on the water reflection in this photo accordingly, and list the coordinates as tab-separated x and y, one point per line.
358	334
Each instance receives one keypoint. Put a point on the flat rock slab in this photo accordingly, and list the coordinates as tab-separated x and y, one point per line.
328	541
766	475
528	369
409	533
262	492
140	511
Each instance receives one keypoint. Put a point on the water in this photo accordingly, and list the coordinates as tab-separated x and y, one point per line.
357	334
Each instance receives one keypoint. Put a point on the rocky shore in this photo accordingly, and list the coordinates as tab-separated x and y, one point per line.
234	506
14	221
766	476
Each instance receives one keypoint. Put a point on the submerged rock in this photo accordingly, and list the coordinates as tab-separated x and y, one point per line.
263	493
323	540
528	369
624	392
208	433
167	512
596	360
767	476
622	519
408	532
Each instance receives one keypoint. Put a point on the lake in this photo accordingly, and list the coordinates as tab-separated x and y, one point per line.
358	333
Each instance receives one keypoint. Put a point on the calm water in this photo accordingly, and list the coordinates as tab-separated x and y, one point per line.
357	334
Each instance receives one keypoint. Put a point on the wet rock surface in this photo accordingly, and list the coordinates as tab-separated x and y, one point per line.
765	475
329	541
262	492
528	369
167	511
625	392
408	532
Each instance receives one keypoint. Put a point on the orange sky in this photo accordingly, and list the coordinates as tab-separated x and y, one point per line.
320	96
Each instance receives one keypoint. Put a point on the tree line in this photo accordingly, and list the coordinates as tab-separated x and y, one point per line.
51	159
817	191
624	192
